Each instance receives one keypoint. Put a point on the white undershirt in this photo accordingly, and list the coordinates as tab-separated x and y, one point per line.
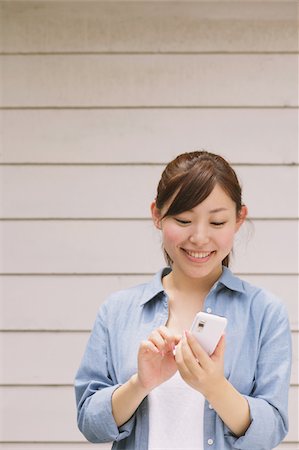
175	416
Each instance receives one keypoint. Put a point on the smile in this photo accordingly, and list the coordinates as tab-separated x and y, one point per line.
197	255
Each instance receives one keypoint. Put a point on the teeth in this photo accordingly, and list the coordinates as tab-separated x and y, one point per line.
198	254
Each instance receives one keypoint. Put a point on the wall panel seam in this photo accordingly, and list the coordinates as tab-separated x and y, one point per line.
145	107
69	385
123	219
131	164
129	274
149	53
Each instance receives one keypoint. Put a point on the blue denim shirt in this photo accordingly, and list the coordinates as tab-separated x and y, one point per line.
257	363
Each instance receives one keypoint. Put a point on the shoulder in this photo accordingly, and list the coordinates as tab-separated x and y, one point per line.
249	295
262	301
131	299
119	306
124	299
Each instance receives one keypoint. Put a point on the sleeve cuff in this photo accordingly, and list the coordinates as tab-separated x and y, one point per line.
264	430
100	423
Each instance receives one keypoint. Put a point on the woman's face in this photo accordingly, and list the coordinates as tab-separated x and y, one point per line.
198	240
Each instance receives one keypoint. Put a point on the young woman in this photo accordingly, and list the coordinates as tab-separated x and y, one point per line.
145	382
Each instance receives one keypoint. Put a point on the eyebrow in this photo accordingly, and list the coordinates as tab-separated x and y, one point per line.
213	211
218	210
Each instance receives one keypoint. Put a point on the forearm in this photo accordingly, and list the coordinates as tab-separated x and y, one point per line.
231	407
126	399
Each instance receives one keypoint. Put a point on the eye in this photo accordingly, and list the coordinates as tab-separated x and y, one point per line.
218	224
182	222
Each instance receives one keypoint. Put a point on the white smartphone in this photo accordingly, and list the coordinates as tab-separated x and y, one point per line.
208	329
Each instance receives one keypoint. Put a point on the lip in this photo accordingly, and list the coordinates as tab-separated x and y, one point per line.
198	256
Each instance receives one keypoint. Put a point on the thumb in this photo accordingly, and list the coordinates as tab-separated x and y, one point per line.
177	338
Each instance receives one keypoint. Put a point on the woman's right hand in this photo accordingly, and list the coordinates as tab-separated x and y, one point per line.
156	364
156	360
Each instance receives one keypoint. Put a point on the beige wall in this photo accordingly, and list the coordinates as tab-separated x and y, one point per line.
95	98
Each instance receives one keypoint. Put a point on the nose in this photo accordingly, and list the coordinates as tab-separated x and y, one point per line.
199	236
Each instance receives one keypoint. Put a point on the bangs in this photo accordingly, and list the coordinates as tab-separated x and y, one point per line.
195	187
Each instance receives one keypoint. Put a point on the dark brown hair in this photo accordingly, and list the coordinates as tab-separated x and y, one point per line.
190	178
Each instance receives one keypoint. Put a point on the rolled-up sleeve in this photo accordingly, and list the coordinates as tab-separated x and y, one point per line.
268	401
94	386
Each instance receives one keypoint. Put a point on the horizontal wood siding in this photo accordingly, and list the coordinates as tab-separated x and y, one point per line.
52	358
95	98
155	135
89	446
88	247
150	80
148	27
126	192
70	302
50	414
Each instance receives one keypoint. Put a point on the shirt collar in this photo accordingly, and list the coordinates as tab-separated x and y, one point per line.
229	280
155	286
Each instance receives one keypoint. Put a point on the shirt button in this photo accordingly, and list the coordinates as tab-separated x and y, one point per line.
209	310
210	441
210	406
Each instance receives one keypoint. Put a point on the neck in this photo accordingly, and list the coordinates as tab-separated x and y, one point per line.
179	282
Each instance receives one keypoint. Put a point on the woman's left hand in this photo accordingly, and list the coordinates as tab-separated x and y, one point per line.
201	371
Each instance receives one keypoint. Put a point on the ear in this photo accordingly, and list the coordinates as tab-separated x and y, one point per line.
241	217
156	215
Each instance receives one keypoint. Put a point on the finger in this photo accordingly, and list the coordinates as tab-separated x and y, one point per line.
200	354
168	334
148	346
178	354
183	369
187	361
178	338
220	349
177	341
158	340
171	339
